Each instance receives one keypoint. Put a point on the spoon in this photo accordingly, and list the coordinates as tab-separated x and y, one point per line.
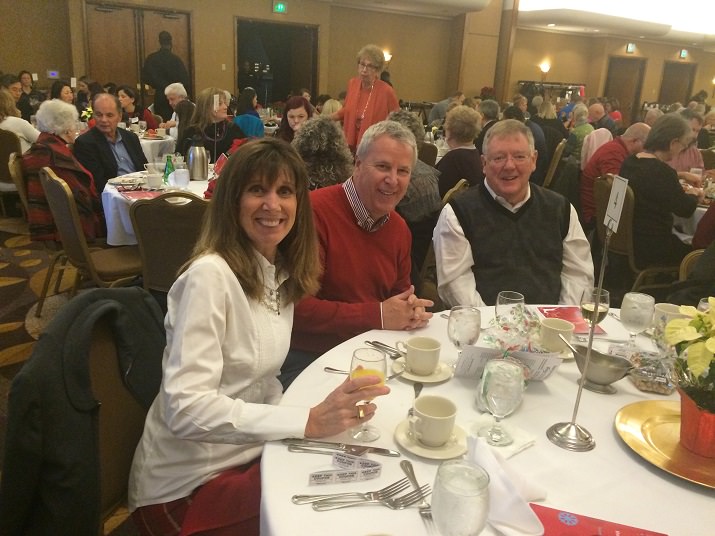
418	389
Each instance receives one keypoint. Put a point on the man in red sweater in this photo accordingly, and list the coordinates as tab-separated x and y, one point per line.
608	159
364	251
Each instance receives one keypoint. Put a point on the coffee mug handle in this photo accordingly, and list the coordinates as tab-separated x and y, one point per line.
402	349
413	422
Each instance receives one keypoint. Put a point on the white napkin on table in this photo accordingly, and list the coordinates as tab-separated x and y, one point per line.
522	439
509	494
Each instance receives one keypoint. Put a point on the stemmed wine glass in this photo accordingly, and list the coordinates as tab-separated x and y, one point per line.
502	389
367	362
588	305
509	309
636	315
142	127
464	325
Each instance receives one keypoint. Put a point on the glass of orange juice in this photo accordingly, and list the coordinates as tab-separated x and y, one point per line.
367	362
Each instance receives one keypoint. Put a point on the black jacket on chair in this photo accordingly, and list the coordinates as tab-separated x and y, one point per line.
51	478
93	152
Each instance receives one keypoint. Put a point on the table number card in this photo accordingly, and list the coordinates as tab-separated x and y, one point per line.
615	203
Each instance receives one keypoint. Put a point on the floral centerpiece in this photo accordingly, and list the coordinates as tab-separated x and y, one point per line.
87	114
694	370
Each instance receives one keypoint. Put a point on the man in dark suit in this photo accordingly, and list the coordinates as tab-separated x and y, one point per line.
105	150
161	68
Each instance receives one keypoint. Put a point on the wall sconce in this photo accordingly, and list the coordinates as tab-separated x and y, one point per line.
388	57
630	48
714	86
683	53
545	67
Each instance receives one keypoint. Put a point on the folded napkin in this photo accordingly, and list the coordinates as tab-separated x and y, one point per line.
509	494
522	439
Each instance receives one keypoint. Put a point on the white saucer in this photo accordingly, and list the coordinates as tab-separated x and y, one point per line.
456	446
442	372
567	355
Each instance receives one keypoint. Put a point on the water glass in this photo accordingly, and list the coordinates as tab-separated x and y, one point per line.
142	127
460	498
502	389
636	314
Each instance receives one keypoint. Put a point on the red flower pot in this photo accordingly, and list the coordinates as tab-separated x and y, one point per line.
697	427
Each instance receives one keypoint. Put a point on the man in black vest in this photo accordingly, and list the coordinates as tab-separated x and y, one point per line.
508	234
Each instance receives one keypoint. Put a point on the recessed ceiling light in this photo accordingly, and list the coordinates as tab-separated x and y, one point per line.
641	36
551	25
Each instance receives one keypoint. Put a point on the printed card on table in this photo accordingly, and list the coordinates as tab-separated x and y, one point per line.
573	315
473	358
560	523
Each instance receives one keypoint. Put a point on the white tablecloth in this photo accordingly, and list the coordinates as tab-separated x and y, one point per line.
120	231
158	149
610	482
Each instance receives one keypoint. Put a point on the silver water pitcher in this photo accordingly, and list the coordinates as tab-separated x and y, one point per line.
198	162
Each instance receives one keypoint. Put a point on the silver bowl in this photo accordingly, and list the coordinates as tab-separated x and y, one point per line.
603	370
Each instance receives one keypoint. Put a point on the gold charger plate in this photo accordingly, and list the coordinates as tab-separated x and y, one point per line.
652	429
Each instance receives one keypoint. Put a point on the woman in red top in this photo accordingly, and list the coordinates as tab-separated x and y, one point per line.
133	112
369	100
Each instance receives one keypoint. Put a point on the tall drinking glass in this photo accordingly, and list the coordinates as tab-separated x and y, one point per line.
502	389
460	499
636	314
367	362
509	309
464	326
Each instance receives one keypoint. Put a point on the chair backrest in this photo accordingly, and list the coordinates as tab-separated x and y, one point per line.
708	158
621	242
121	419
15	167
688	263
428	154
167	228
462	184
555	159
9	143
64	212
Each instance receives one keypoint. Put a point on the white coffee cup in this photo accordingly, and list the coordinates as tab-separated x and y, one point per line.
421	354
180	179
153	168
121	124
433	421
161	132
551	328
154	180
134	127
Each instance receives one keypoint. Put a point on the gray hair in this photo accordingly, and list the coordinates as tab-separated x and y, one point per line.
56	117
177	88
321	144
391	129
373	53
489	109
580	114
505	129
667	128
411	121
652	114
463	123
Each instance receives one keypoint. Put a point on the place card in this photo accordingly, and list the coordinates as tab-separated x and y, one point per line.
351	469
473	358
569	524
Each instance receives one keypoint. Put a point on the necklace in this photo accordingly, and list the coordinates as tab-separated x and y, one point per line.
271	300
358	122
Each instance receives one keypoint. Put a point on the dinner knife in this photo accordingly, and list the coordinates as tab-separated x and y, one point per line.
343	447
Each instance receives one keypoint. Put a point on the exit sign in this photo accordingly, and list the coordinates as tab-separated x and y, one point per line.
280	7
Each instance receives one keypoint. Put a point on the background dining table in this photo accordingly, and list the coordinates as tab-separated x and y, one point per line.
156	149
120	231
610	482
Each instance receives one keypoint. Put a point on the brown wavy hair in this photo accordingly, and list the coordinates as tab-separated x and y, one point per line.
222	233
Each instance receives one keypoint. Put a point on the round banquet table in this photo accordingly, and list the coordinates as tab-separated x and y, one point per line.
610	482
120	231
157	149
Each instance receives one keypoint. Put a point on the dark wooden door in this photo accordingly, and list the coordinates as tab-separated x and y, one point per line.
677	83
112	44
625	82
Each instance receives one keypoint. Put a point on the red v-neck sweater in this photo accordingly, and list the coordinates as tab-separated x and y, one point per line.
360	270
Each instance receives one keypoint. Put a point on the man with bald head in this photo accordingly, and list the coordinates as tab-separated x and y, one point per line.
608	159
598	117
106	150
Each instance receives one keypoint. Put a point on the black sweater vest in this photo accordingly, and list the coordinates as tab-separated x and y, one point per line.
520	251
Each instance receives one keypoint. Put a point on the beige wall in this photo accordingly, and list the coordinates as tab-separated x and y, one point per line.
37	43
479	49
585	59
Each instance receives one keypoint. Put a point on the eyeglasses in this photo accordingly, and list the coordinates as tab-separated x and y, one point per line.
501	159
368	66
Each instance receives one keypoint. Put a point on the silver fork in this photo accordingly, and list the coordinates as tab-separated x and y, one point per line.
384	493
423	506
394	503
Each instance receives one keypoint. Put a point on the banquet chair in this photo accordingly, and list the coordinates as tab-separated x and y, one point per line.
15	168
688	263
708	158
428	154
428	272
110	267
9	144
621	242
554	164
166	227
